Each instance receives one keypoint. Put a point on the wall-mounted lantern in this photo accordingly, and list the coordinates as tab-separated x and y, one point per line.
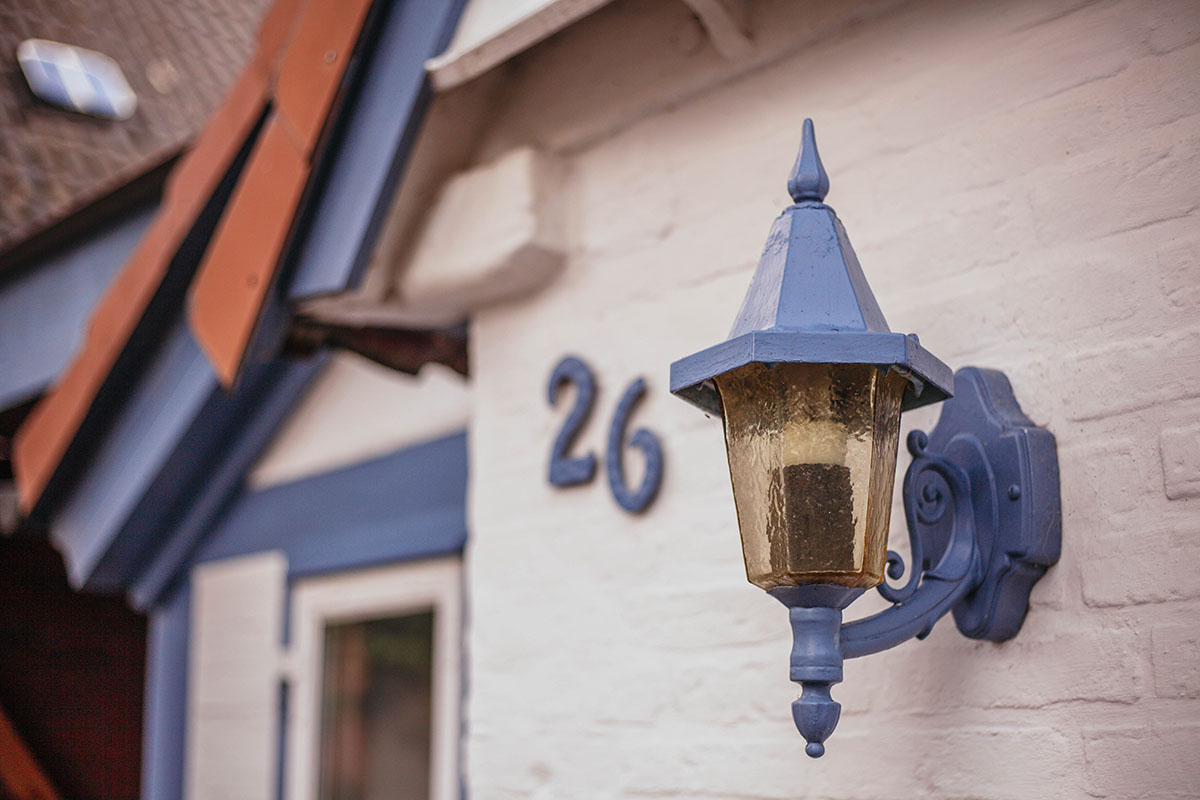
810	385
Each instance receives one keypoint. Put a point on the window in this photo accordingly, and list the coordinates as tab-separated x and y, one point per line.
375	687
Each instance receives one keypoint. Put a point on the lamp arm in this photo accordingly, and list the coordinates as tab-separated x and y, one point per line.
930	594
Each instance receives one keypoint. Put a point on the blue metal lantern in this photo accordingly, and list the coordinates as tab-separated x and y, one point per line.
810	385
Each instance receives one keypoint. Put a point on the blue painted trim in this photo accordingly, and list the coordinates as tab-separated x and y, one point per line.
209	463
178	448
379	130
165	721
691	376
385	105
408	505
44	309
162	448
174	388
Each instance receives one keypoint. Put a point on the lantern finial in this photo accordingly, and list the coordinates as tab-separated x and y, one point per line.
808	180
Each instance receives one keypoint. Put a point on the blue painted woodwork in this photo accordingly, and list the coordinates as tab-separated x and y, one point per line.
567	470
166	698
981	496
360	165
209	462
176	382
633	501
163	450
376	133
180	443
44	308
359	162
809	302
407	505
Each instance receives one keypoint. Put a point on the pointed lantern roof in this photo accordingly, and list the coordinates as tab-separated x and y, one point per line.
809	302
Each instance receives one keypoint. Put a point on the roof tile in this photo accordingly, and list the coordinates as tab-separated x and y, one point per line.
180	58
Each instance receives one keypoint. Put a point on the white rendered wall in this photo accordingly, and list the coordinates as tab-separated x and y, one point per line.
1020	181
357	410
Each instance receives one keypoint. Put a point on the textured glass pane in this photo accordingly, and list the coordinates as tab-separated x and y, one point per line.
376	709
812	456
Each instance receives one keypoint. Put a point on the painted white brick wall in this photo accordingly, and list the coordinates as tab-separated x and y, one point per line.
1020	181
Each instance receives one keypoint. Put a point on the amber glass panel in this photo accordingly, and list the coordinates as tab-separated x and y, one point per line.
376	709
812	456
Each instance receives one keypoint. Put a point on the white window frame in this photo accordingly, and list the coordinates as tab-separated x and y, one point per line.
325	600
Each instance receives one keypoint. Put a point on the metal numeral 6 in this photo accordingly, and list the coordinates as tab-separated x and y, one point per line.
572	471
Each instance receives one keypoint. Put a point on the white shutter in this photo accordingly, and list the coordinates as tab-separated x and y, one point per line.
233	679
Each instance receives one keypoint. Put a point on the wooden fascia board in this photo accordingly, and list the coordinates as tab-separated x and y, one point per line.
232	288
239	266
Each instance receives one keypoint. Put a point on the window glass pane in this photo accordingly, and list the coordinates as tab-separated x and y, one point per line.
376	709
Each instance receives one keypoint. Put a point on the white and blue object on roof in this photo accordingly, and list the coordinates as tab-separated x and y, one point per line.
76	79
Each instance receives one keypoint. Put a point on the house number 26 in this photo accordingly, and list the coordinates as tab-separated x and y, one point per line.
566	470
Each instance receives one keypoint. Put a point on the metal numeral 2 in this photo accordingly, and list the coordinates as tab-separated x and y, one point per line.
566	471
572	471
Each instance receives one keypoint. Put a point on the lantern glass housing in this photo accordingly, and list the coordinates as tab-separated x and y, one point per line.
812	457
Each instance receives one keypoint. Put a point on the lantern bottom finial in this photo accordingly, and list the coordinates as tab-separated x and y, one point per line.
816	715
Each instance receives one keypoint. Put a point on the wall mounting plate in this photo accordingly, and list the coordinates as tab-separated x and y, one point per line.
1012	466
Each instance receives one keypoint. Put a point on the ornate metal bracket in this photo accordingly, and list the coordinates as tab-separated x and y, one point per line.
981	499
